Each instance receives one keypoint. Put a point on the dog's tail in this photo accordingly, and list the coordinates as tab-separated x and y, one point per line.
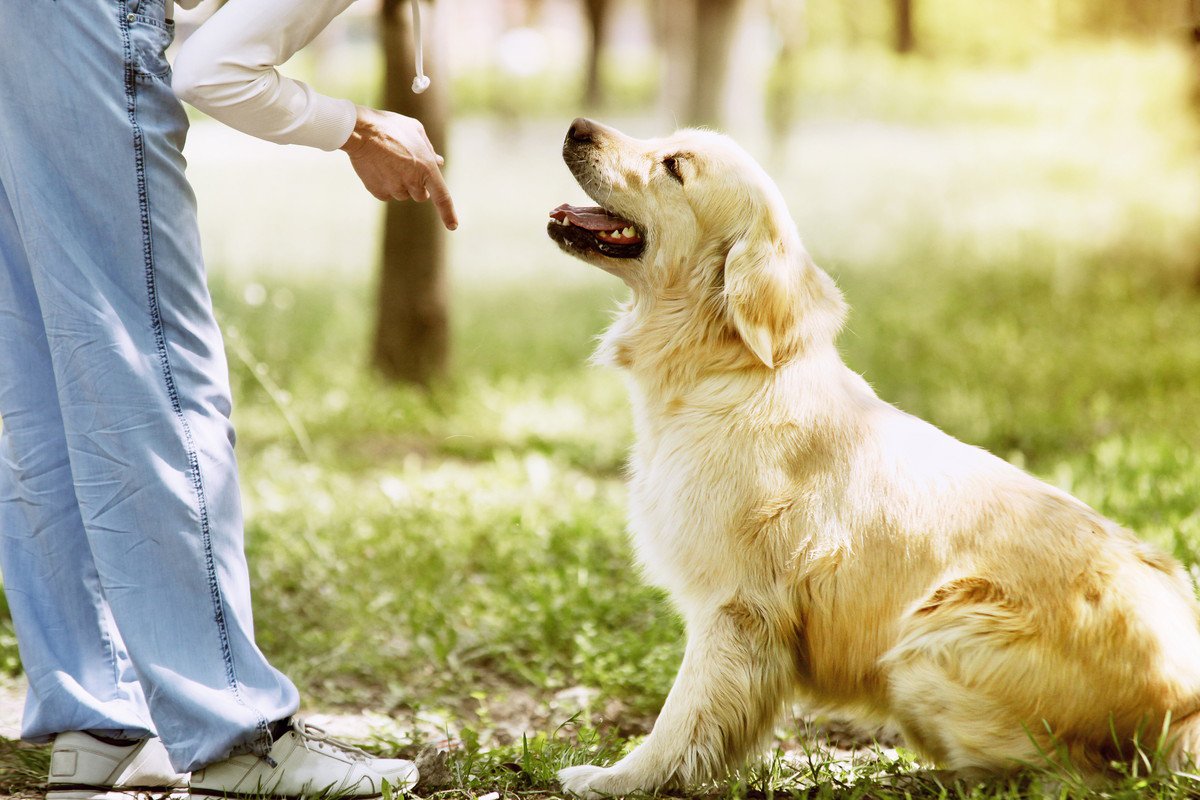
1183	744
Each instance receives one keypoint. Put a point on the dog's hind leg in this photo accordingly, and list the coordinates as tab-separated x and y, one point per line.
735	673
956	726
958	673
980	680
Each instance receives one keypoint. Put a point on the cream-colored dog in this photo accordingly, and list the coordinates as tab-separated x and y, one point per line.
821	543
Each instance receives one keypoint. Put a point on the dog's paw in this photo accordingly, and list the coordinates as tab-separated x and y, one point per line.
590	782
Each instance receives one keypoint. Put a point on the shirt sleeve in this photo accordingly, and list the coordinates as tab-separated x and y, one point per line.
227	69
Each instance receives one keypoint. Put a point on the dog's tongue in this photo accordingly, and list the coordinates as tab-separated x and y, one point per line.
593	218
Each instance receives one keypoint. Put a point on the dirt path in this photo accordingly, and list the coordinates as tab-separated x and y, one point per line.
12	700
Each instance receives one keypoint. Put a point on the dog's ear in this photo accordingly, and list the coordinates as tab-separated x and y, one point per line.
762	285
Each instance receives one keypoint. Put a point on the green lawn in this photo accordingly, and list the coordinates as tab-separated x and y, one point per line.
1020	249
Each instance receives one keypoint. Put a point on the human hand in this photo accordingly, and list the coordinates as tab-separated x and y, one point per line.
395	160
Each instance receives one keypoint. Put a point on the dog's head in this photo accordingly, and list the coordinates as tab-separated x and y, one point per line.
700	233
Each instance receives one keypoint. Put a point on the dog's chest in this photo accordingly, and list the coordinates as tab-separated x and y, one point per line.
687	487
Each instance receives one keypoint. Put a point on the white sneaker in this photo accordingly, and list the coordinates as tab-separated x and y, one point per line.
84	768
304	762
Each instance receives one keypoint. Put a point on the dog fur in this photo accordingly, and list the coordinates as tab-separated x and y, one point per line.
820	543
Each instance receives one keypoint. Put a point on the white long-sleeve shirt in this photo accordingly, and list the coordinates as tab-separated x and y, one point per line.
228	70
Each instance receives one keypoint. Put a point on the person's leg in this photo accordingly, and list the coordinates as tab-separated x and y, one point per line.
80	678
91	137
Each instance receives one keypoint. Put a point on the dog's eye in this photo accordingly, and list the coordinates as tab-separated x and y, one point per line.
672	165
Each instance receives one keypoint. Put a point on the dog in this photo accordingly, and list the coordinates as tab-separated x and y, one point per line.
821	544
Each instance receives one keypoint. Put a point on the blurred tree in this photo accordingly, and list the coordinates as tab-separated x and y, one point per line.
1121	17
696	38
906	40
1194	13
412	339
673	24
783	91
597	13
714	29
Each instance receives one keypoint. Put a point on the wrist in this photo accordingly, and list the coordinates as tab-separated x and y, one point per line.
364	129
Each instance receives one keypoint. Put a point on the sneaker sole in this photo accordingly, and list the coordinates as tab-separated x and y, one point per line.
104	793
208	794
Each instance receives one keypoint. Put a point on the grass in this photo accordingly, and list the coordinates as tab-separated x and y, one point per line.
1019	246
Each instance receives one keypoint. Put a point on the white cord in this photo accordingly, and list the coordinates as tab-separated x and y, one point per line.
421	82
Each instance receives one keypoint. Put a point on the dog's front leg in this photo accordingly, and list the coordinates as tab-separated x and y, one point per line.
727	694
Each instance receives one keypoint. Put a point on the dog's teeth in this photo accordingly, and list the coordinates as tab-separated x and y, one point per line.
628	232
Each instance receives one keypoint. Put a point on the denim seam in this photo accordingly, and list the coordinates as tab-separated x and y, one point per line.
139	153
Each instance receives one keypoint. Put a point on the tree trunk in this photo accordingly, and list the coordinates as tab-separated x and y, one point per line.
674	25
782	95
906	40
412	337
1194	9
1194	49
597	13
716	24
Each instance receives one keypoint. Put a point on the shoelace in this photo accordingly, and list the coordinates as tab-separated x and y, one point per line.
314	735
421	82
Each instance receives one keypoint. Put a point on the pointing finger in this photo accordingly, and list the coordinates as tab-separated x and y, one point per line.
436	186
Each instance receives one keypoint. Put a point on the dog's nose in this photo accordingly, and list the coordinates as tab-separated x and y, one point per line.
582	130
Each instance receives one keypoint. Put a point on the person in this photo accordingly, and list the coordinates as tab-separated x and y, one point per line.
121	539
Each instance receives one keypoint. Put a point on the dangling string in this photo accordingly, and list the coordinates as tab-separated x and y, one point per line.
421	82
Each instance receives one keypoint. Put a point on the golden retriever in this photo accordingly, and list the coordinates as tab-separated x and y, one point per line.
821	544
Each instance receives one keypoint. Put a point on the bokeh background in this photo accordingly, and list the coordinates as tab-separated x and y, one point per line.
1008	192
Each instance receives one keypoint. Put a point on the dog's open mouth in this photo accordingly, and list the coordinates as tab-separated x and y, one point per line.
595	229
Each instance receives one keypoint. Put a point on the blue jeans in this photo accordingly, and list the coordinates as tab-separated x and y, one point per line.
120	517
